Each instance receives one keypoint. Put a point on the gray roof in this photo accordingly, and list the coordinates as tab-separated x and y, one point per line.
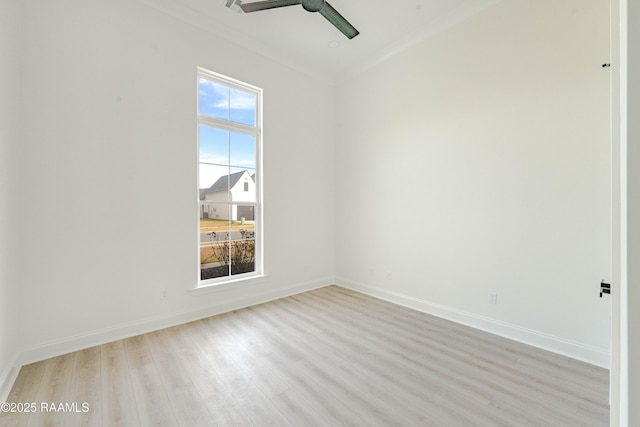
225	183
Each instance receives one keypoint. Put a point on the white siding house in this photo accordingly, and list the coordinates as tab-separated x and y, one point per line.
236	187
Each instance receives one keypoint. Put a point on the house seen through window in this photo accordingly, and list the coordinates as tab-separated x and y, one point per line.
229	141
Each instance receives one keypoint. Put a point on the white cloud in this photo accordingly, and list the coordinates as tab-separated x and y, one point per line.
242	100
221	95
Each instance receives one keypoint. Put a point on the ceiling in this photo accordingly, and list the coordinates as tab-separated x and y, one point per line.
307	42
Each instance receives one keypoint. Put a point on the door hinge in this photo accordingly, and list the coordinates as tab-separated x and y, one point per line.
605	288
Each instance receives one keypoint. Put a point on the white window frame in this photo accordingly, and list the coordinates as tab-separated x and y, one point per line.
256	132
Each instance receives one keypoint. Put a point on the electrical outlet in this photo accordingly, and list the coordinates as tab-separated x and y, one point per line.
389	275
492	298
164	295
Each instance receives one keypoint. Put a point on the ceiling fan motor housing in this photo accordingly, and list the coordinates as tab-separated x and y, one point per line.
313	5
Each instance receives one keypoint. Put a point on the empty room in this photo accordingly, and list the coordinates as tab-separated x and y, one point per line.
301	212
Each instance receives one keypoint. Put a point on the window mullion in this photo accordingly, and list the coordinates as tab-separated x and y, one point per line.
227	125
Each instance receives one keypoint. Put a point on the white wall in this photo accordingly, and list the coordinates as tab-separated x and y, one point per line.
477	162
10	14
109	200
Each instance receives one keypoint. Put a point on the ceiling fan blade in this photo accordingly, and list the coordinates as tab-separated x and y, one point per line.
269	4
338	20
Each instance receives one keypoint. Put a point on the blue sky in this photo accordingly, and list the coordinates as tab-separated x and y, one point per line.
222	151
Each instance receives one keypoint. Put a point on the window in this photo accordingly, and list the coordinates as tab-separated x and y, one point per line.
229	178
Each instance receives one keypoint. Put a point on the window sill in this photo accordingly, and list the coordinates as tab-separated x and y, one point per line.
228	284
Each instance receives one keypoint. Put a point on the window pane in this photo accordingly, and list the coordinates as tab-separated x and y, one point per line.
243	107
242	151
213	99
214	183
243	244
243	159
246	217
215	241
214	145
243	186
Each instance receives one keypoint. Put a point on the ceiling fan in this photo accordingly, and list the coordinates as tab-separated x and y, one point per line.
321	6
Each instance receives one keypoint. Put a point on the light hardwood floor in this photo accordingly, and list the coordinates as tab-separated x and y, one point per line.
328	357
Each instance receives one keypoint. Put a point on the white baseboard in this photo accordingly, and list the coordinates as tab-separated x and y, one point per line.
79	342
565	347
44	351
7	378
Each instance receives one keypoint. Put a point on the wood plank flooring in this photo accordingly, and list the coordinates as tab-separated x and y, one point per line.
329	357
